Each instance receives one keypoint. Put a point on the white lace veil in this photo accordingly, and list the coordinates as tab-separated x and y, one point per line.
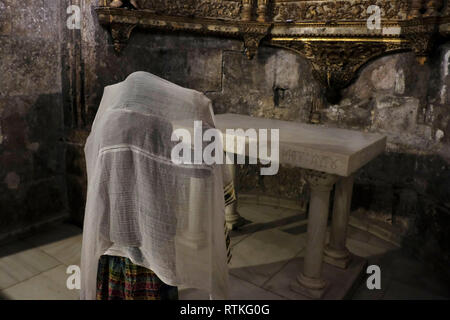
165	217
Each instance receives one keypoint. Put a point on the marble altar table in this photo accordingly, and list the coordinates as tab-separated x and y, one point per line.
330	156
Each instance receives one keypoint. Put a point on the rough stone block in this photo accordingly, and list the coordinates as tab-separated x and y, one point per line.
29	67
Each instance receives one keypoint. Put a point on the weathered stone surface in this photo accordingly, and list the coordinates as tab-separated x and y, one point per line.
42	60
5	18
393	95
277	84
29	66
396	114
409	103
32	203
76	180
35	18
32	170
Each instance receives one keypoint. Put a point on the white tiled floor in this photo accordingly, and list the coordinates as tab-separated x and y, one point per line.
265	258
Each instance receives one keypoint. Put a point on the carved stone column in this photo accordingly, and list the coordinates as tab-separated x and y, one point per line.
262	10
336	252
247	6
310	281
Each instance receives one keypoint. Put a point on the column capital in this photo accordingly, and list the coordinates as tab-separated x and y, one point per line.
320	181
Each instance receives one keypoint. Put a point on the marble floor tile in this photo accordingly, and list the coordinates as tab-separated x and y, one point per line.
49	285
18	262
296	228
374	240
359	223
357	234
364	249
244	290
239	290
264	214
62	243
192	294
339	281
236	238
264	218
281	282
68	250
260	256
266	259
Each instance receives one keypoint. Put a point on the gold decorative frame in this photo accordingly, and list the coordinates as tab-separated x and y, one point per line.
333	35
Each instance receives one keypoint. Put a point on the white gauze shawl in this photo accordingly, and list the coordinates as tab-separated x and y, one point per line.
165	217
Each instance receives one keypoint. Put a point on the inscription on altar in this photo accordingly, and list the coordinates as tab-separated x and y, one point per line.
330	150
316	161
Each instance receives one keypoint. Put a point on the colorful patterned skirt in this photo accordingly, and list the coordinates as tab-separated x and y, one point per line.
120	279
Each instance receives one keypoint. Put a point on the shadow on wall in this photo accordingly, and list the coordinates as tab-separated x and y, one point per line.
32	172
408	192
411	192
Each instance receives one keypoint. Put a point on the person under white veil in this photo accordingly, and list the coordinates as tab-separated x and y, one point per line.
151	225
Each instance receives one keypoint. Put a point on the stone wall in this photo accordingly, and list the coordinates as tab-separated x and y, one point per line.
32	171
408	187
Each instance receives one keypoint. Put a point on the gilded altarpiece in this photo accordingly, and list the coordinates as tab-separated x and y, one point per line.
336	36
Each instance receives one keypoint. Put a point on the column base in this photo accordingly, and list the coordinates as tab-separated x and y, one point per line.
337	258
309	287
193	240
234	221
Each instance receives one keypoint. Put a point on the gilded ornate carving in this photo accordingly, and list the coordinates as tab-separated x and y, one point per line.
121	34
195	8
416	6
247	10
421	33
125	3
335	63
433	7
262	10
253	34
338	10
332	35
